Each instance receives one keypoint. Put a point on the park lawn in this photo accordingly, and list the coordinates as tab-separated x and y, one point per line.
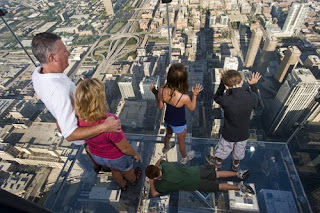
116	27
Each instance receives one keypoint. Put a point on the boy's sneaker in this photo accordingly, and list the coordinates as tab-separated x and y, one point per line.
212	161
190	156
235	167
243	174
246	189
165	150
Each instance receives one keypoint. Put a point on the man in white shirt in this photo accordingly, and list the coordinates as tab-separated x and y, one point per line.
55	89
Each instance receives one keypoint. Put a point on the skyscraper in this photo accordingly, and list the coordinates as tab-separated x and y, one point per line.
253	47
288	63
213	20
126	86
313	61
146	68
64	16
224	19
293	101
296	16
216	79
268	49
108	6
315	115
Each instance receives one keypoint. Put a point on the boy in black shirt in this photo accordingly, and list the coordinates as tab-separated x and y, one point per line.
237	104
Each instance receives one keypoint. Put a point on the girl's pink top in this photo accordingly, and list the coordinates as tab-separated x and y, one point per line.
104	145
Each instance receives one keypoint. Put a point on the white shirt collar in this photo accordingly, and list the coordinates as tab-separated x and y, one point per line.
48	75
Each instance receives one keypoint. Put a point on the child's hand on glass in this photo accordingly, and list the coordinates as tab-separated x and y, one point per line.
137	157
153	89
254	79
197	89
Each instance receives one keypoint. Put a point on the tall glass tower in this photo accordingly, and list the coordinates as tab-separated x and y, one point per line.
253	47
293	101
296	16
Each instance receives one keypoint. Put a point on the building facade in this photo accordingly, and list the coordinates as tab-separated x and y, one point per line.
288	63
144	85
268	50
294	100
295	19
126	86
253	47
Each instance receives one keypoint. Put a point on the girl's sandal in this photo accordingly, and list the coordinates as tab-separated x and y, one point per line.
124	188
138	173
97	169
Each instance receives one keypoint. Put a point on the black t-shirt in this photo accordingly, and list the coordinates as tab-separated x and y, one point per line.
237	104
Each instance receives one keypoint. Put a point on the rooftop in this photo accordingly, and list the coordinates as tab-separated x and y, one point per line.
39	133
133	113
150	79
125	78
305	75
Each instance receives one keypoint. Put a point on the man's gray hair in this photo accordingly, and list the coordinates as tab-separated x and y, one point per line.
43	44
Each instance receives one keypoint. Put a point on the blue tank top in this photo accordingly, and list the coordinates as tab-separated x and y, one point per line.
175	116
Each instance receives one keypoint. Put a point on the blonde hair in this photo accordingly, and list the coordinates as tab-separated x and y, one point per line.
90	100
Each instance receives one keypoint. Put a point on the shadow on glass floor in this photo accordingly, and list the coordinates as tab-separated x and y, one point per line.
272	175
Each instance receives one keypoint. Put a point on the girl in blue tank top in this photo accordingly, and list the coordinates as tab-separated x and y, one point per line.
174	94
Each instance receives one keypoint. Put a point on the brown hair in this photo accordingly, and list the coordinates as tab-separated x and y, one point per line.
152	171
177	79
231	78
90	100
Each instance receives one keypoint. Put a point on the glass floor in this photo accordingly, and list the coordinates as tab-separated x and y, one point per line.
272	175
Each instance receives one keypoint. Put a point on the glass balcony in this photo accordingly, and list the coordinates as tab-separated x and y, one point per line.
272	175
